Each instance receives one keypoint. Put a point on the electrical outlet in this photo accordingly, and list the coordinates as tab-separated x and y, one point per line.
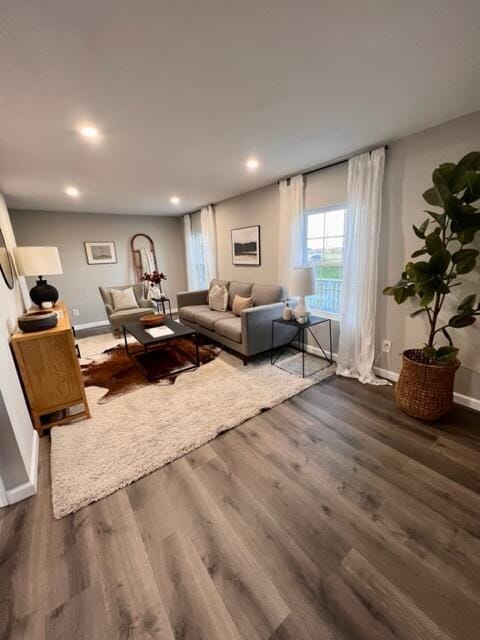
386	346
76	312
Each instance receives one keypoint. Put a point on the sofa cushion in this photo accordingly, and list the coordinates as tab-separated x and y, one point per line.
124	299
189	313
239	304
218	298
242	289
267	294
221	283
230	328
209	317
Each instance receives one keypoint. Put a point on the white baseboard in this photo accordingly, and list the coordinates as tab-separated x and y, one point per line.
459	398
317	352
91	325
28	488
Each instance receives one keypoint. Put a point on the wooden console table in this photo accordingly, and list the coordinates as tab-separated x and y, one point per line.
50	373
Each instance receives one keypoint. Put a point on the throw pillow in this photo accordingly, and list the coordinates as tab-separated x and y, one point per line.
124	299
218	298
240	303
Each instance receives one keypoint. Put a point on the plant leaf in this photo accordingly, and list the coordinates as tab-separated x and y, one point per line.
429	352
461	320
439	261
446	354
427	298
419	252
433	243
467	302
432	197
467	264
438	217
401	294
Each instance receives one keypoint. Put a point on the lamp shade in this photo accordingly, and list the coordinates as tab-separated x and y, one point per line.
302	281
37	261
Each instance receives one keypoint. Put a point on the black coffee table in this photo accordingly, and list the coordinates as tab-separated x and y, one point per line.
149	343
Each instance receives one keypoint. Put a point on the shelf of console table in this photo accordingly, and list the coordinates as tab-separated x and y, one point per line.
50	373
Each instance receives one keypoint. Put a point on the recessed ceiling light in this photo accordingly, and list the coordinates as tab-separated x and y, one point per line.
89	132
252	164
73	192
175	200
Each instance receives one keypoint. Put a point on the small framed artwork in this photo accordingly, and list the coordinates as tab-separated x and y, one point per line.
246	246
100	252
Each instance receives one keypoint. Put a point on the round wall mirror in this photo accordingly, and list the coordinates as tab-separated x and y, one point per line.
6	266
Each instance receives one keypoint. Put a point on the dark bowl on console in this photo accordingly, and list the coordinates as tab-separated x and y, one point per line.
37	321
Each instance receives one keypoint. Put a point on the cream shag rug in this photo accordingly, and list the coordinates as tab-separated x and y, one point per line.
139	432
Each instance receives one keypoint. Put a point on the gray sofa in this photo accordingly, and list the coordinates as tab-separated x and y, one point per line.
117	318
247	334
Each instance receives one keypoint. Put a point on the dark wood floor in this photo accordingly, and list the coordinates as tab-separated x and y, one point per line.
331	516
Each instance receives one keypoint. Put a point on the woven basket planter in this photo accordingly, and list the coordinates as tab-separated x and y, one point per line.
425	390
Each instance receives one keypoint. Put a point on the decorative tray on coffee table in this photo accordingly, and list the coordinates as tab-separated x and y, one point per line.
153	319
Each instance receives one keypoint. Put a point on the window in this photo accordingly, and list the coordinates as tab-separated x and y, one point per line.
198	260
324	231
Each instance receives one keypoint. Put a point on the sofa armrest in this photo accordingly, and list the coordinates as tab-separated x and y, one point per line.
257	327
146	304
187	298
108	309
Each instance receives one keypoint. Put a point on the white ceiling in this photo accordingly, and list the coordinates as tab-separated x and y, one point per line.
185	90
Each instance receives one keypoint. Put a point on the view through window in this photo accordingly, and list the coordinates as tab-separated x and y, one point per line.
324	230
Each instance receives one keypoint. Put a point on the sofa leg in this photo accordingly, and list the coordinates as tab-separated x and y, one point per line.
245	361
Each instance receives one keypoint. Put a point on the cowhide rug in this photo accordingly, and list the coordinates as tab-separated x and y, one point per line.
117	373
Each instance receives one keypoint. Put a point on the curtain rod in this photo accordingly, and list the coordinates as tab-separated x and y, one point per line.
303	173
326	166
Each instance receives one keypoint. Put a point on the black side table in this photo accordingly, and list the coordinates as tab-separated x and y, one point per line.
299	333
162	301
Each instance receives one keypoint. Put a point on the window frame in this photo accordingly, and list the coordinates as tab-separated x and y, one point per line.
309	212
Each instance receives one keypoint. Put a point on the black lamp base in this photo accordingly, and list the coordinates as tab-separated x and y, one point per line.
43	292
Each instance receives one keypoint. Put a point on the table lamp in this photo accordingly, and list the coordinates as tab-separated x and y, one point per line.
39	262
301	284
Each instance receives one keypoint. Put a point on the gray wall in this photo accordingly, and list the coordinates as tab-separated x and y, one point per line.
78	286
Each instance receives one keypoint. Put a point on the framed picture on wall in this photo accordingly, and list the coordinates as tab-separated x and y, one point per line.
100	252
246	246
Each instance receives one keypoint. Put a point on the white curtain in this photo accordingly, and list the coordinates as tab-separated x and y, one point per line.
359	293
209	236
189	254
291	227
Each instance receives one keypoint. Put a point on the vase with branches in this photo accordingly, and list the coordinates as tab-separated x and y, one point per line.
446	254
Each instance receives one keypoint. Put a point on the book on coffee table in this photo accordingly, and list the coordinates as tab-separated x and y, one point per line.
159	332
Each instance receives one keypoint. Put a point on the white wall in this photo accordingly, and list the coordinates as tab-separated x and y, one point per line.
18	439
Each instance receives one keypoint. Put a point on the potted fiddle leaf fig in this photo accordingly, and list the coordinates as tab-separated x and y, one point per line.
425	386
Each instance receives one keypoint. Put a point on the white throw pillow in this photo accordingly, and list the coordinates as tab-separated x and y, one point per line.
124	299
218	298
